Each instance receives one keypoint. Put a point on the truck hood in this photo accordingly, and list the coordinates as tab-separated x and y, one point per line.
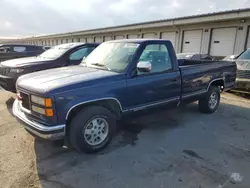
243	64
20	62
64	78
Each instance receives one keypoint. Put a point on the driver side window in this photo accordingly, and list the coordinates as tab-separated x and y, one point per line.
81	53
158	56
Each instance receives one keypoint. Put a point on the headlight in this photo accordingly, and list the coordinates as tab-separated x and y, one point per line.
42	101
44	111
38	110
38	100
17	70
46	104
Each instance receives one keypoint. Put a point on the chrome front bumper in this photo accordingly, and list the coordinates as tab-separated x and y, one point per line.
51	133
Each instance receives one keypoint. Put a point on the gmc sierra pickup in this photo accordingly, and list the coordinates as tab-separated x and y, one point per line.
83	103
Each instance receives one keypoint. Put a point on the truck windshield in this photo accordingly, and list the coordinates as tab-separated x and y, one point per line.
245	55
54	52
112	56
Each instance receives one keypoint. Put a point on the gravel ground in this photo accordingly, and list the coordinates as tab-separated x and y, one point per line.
174	148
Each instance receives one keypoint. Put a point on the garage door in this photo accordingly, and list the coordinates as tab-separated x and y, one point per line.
132	36
117	37
192	41
83	40
148	35
76	40
90	39
222	42
107	38
169	36
98	39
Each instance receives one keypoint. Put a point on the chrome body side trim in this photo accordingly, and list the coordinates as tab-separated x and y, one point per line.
194	93
153	104
94	100
223	79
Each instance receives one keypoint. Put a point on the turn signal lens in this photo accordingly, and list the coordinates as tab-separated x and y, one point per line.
49	112
48	102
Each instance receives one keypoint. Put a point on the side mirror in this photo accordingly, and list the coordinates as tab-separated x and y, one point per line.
144	66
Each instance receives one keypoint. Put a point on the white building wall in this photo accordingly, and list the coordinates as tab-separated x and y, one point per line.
205	40
138	32
241	39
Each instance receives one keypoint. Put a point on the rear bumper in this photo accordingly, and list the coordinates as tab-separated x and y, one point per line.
51	133
8	83
242	84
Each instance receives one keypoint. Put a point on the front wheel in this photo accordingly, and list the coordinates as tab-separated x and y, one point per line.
92	129
211	101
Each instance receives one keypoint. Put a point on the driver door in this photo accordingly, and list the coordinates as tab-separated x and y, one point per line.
160	85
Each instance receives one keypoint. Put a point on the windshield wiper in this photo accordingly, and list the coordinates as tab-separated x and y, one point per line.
101	65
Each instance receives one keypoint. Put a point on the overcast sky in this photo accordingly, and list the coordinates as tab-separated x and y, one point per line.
35	17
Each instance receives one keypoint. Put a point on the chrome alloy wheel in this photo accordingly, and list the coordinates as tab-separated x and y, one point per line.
96	131
213	100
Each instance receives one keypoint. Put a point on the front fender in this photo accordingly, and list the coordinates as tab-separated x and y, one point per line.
65	102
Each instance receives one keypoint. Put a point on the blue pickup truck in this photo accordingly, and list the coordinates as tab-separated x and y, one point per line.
83	103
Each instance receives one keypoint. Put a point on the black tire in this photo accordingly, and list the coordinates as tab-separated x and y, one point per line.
204	105
82	119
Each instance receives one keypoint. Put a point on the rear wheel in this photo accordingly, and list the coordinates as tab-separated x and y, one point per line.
92	129
211	101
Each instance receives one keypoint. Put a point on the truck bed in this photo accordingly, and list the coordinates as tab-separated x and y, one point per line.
197	75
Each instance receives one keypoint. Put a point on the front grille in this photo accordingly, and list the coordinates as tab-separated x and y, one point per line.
25	100
243	73
4	71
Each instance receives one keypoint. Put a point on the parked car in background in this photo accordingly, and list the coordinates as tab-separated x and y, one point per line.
11	51
46	47
118	78
230	58
194	56
58	56
243	71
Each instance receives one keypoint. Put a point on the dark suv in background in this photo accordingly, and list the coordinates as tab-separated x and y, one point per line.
11	51
58	56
